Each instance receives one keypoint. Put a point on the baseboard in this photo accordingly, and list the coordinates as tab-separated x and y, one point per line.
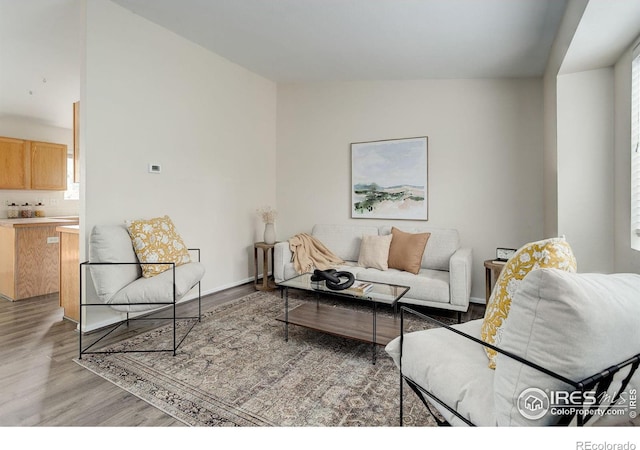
224	287
478	300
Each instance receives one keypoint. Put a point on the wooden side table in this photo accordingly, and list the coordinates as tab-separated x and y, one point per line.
492	269
267	285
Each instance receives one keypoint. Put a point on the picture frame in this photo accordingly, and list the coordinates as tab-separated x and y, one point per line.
389	179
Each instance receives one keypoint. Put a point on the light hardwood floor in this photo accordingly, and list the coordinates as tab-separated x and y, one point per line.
41	385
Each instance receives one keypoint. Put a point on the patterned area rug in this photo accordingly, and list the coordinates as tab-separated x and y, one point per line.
235	369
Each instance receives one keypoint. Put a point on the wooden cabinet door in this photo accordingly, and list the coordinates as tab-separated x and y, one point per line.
37	262
48	166
14	164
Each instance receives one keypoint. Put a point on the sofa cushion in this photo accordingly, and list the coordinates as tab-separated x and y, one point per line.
343	240
554	252
451	367
374	251
112	243
406	250
573	324
156	240
441	245
428	285
158	289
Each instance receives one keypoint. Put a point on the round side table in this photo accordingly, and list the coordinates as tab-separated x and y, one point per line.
492	269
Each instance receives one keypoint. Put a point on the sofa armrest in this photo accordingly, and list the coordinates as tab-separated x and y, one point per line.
460	276
282	255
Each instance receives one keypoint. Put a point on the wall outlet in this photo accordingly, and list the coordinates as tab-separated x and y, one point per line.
53	201
155	168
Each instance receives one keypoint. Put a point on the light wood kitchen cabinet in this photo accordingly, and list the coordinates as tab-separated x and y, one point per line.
76	142
32	165
48	166
29	260
14	164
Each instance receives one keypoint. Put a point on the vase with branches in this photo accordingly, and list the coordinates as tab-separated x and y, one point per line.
268	216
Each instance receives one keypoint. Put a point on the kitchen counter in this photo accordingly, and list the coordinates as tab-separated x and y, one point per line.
37	221
29	257
73	229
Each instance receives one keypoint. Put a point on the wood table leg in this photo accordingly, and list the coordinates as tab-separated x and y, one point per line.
487	283
265	269
255	265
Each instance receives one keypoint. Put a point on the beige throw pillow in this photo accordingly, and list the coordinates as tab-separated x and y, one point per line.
374	252
406	250
156	240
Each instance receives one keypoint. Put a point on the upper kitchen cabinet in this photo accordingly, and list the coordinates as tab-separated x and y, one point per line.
76	142
48	166
32	165
14	164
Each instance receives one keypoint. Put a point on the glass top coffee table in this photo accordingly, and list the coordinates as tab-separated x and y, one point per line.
354	324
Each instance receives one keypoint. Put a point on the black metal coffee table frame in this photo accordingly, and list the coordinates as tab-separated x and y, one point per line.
354	324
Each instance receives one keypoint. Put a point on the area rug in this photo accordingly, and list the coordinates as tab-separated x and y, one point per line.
235	369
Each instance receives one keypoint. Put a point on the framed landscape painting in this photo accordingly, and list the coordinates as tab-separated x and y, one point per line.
389	179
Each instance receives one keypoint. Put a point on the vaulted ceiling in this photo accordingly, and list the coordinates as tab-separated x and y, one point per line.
293	41
319	40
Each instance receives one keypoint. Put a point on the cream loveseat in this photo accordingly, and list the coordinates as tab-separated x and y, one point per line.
580	328
443	280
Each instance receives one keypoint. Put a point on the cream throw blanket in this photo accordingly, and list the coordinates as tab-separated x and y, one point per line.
309	253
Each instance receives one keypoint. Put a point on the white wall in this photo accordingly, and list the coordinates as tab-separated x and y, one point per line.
26	128
585	167
596	121
570	21
626	259
150	96
485	154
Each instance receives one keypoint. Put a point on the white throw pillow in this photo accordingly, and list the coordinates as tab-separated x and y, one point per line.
374	252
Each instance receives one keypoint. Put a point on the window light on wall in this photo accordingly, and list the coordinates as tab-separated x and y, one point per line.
73	189
635	149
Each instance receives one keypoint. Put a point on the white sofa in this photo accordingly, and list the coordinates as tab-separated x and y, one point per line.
575	325
444	279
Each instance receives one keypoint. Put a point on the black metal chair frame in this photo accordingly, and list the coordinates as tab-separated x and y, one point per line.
161	306
599	382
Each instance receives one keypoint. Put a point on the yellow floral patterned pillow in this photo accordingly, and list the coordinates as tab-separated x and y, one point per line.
156	240
549	253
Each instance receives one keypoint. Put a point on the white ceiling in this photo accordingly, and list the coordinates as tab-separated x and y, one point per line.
319	40
286	41
605	31
40	51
